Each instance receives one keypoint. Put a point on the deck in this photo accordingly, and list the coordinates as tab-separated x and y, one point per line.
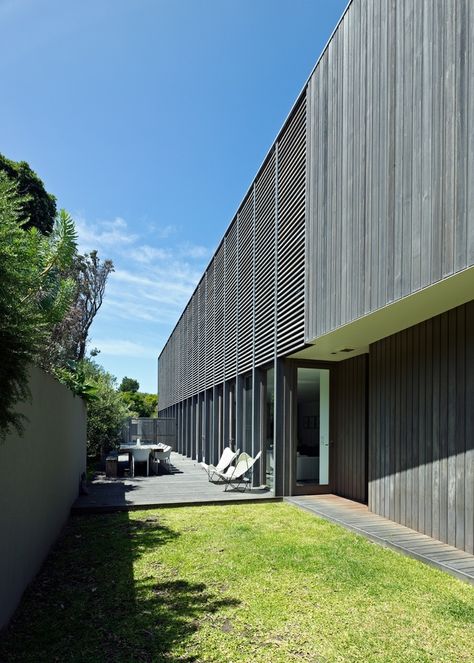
185	484
359	519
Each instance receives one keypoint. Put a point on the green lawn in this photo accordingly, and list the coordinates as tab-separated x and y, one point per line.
260	583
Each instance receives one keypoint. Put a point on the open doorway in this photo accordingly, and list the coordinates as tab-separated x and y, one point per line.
312	430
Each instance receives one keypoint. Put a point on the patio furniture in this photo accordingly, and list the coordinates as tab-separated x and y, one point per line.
225	460
111	465
235	475
114	462
160	456
141	455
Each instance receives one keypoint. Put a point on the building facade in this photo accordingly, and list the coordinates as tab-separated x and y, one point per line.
334	327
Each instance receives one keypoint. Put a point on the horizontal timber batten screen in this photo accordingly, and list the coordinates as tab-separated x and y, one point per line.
249	304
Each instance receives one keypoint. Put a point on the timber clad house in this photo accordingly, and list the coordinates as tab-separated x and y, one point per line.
334	327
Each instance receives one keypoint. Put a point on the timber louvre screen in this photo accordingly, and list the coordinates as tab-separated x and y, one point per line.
231	280
219	312
251	297
245	286
265	263
291	233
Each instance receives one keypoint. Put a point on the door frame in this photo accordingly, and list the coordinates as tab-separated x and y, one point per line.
311	489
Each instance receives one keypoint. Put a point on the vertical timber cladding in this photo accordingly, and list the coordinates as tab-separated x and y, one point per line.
390	157
421	427
349	427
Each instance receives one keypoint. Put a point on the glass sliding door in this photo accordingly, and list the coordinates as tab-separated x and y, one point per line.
312	428
231	415
247	415
269	408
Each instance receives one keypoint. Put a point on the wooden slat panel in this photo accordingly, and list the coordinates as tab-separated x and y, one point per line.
390	157
469	416
291	187
245	293
201	324
265	264
219	314
424	376
349	427
209	325
231	277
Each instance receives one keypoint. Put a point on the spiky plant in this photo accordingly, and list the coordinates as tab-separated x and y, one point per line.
33	294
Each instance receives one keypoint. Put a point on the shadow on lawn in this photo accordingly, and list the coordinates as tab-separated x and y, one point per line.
85	604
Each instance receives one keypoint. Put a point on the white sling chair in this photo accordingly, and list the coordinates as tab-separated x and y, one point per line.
140	456
162	456
225	460
235	475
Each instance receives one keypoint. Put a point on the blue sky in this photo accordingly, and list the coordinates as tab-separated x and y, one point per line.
148	120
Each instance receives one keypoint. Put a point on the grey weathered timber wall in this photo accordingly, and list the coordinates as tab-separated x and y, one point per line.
249	304
349	427
390	157
40	475
421	429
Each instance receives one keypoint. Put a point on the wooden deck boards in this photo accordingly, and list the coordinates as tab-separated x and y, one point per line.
186	484
357	517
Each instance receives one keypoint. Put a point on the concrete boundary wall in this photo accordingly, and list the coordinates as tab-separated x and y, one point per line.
39	481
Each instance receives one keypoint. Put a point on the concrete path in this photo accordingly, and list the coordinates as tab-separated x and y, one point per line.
359	519
185	484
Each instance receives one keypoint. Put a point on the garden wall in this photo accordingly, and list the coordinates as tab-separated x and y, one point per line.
39	481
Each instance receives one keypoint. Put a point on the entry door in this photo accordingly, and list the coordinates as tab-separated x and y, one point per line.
311	464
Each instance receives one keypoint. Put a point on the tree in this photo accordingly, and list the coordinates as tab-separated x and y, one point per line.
92	277
68	339
37	207
151	402
140	403
129	384
33	295
106	413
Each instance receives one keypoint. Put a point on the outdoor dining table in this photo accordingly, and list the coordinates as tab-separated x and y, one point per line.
152	447
130	448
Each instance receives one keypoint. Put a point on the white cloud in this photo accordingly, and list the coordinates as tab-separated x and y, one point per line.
148	254
149	288
195	251
163	232
103	234
124	348
127	309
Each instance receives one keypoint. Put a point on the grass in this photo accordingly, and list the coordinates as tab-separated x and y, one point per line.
261	583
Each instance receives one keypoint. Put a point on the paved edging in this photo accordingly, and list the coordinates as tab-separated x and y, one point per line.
387	543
